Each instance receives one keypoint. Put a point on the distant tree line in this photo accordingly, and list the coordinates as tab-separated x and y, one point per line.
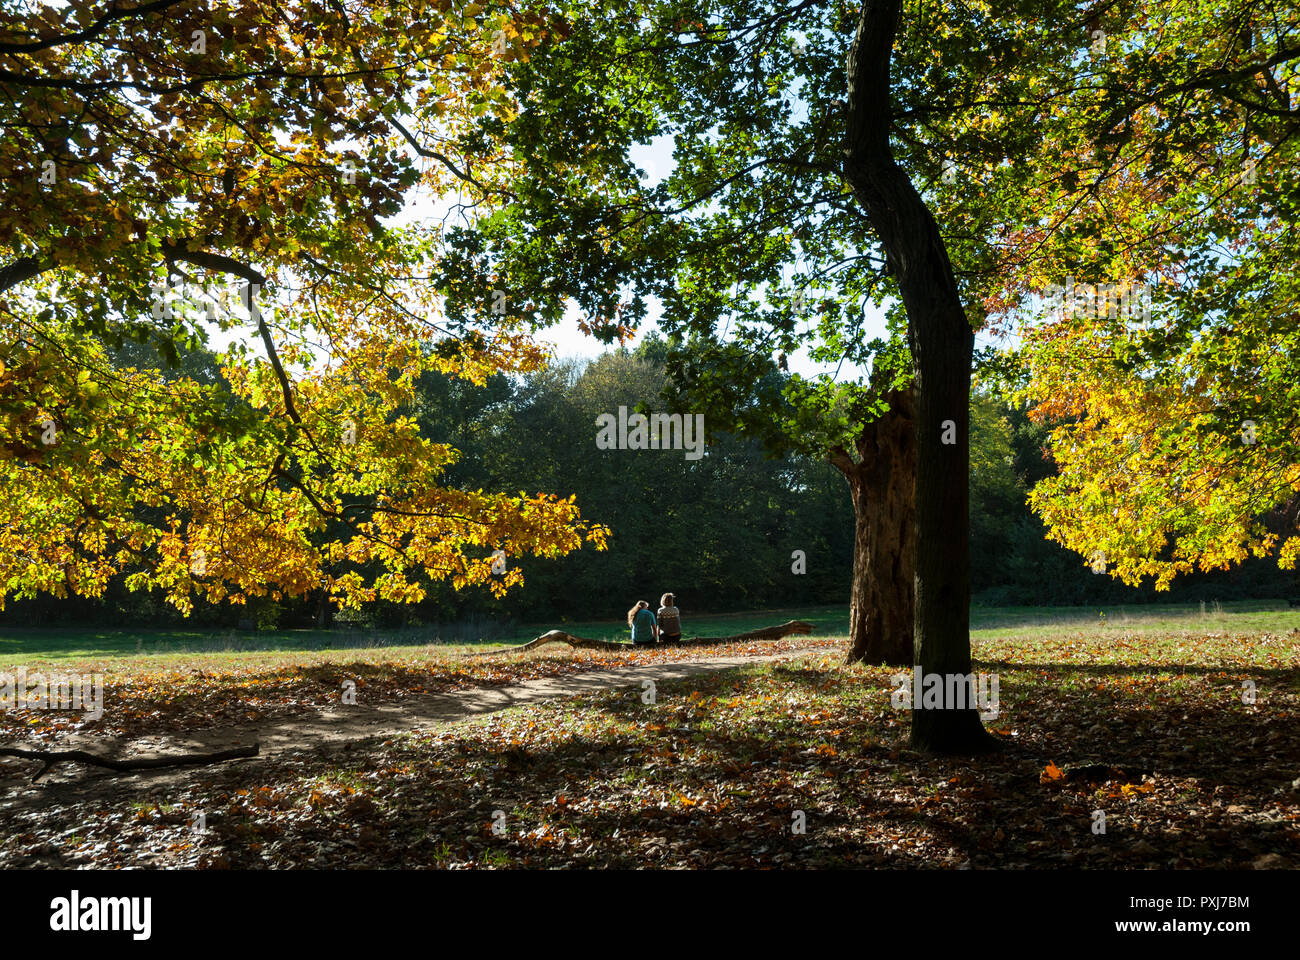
733	530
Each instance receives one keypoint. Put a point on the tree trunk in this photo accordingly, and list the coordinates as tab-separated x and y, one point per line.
941	342
884	538
323	611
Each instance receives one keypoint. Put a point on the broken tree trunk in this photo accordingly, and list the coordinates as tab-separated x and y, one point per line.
786	629
882	481
559	636
50	758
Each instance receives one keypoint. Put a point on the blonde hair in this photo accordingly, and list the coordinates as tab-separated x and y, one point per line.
667	600
631	614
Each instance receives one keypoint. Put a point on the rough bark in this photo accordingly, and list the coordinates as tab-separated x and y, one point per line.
323	611
941	343
882	484
559	636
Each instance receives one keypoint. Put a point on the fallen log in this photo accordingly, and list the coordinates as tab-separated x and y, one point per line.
50	758
789	628
559	636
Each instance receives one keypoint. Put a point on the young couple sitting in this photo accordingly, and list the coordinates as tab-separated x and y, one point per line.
649	628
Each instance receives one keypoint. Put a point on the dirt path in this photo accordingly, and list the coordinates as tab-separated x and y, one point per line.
338	727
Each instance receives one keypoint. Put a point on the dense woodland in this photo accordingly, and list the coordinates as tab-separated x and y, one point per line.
719	532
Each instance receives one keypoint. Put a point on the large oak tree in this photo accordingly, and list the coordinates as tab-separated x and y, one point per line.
791	206
176	169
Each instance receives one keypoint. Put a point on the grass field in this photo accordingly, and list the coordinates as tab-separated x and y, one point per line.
157	648
1245	616
69	645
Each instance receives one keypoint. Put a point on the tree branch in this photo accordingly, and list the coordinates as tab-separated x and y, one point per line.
22	270
176	250
50	758
114	14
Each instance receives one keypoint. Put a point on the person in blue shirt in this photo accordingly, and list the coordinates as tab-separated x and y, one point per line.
645	629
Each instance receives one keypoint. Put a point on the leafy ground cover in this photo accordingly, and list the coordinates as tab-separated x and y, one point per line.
1149	727
171	681
143	698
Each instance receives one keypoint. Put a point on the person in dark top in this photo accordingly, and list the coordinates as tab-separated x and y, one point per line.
644	626
670	620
